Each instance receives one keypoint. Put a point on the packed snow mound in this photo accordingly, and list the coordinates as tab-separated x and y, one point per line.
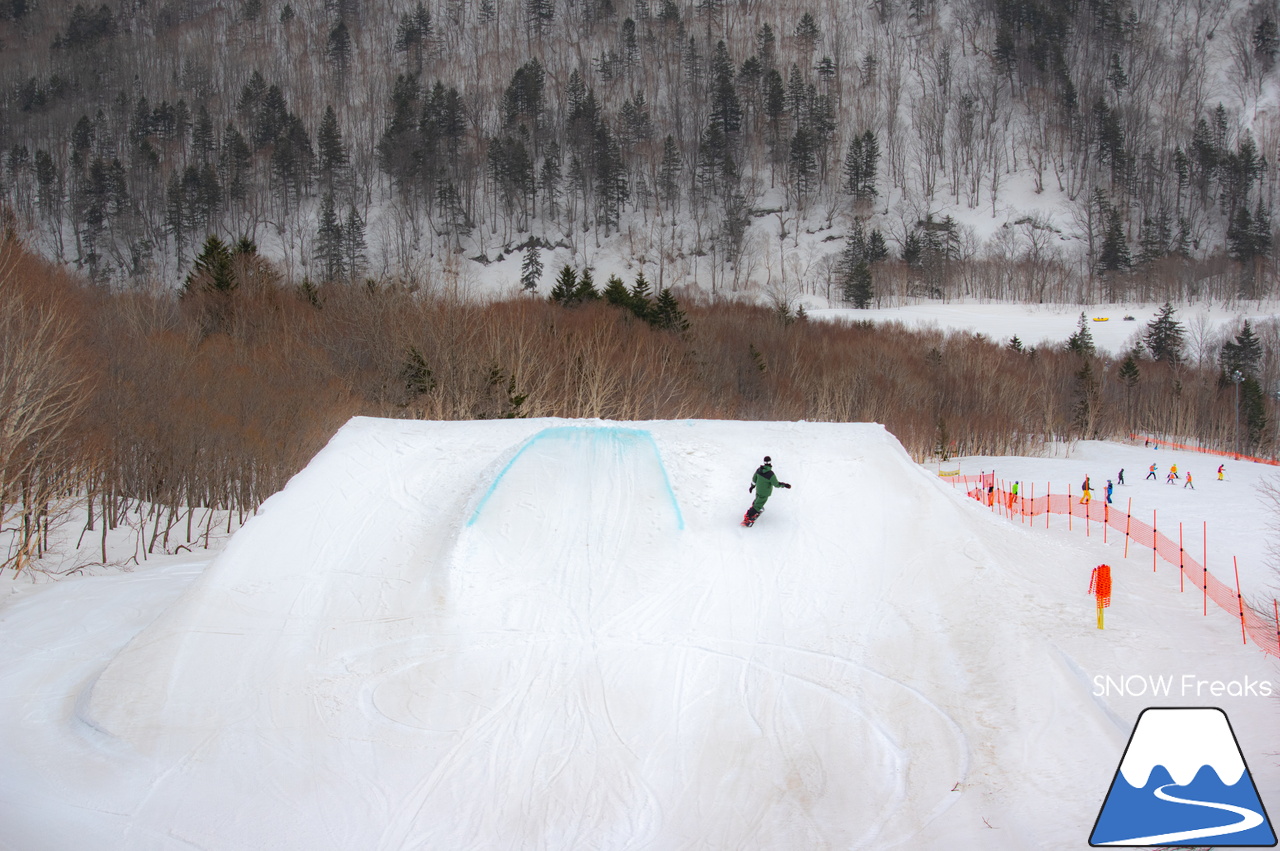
555	634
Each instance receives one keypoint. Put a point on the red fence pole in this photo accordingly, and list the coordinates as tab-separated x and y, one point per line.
1240	601
1071	508
1155	541
1204	577
1048	503
1181	563
1127	517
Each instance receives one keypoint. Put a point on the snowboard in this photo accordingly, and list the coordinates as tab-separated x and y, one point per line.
748	520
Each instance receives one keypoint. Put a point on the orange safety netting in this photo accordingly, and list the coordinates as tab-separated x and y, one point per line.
1100	585
1236	455
1264	630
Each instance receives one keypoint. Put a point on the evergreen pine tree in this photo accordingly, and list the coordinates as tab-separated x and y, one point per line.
1114	255
667	314
213	269
586	289
858	286
549	180
565	287
353	244
531	268
1015	344
913	249
1129	372
1084	415
877	249
329	244
1243	354
309	293
808	34
203	141
716	167
1262	230
870	164
416	376
1130	376
766	45
1081	342
1240	235
1153	239
639	298
615	293
1266	42
853	167
1253	410
726	110
339	47
333	160
803	161
1164	336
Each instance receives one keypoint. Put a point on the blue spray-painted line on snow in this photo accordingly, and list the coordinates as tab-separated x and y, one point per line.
622	435
666	480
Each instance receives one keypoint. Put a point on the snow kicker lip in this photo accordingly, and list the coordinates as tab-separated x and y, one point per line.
568	443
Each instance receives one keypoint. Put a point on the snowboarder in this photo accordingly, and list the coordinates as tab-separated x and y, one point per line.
1221	467
1151	472
1110	487
1120	478
1013	495
1168	480
1188	482
1174	471
1086	492
762	483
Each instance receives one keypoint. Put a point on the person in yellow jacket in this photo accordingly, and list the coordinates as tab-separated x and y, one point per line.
1086	492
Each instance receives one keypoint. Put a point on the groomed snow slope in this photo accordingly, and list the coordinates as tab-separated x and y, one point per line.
554	634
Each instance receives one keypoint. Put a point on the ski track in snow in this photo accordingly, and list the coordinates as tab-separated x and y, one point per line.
553	634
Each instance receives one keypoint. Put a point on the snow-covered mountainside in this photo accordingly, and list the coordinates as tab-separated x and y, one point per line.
555	634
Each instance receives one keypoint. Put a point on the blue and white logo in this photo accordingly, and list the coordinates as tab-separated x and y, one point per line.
1183	780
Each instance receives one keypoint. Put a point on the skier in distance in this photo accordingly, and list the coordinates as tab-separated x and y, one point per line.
762	484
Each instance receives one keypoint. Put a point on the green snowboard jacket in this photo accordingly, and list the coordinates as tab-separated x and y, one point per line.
765	481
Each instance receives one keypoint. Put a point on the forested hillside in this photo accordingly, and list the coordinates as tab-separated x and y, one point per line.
1041	150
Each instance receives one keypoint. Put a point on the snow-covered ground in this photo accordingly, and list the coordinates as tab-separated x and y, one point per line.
1232	513
1206	325
554	634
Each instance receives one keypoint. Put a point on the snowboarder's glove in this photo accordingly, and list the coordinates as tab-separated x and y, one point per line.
752	488
787	486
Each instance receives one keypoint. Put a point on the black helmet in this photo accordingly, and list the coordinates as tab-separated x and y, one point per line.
767	460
